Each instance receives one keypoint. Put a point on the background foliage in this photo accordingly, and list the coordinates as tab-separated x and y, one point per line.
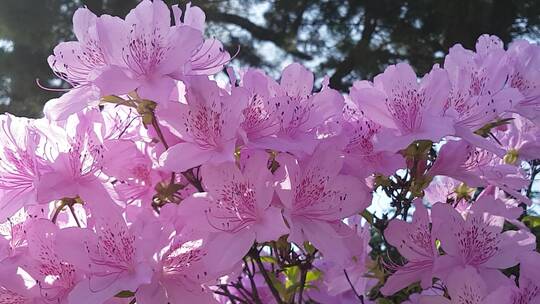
349	39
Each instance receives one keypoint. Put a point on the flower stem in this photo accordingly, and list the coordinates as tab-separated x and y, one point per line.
254	254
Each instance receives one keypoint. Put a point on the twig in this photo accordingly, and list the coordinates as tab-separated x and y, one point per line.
57	212
229	295
187	174
254	253
360	297
254	291
74	215
534	171
156	126
303	274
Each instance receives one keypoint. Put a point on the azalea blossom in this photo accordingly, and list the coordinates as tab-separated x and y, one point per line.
20	167
478	241
523	58
466	286
237	207
152	180
207	126
261	116
182	268
113	257
300	113
409	110
316	197
479	91
477	167
362	135
416	243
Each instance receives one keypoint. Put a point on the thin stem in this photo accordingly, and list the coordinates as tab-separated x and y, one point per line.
360	297
254	291
244	292
255	255
187	174
303	275
72	210
156	126
534	171
193	180
229	295
57	212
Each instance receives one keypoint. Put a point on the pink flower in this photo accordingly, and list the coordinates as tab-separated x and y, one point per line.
236	206
114	257
335	286
210	57
13	289
524	60
300	113
488	203
477	241
479	93
13	238
478	80
55	277
20	167
74	163
131	169
143	53
416	244
207	124
269	168
521	141
79	63
261	116
316	197
466	286
147	53
183	267
478	168
408	110
361	133
529	286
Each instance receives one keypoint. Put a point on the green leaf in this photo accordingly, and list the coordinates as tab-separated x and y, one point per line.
268	259
278	285
531	221
283	244
367	216
292	274
291	290
309	247
313	275
112	99
486	129
125	294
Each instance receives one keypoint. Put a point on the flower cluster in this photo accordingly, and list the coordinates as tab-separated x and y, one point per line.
147	182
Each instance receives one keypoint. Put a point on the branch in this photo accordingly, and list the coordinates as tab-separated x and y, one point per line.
251	275
229	295
187	174
254	254
356	54
303	275
257	32
360	297
534	171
